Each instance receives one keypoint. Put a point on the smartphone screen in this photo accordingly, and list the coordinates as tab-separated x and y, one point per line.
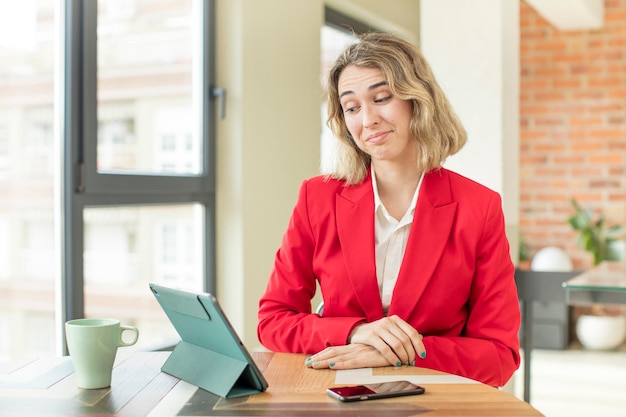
373	391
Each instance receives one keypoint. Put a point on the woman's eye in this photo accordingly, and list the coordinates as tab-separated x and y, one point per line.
382	99
350	109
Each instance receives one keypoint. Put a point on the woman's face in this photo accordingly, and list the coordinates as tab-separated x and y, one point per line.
378	121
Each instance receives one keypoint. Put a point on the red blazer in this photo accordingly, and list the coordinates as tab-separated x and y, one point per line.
455	285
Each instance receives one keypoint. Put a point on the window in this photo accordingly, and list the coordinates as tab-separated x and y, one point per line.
149	82
145	188
27	240
106	162
4	150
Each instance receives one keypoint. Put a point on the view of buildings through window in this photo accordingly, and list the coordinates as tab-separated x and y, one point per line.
146	70
27	164
147	121
333	41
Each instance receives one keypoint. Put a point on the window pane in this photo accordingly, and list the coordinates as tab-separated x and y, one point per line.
27	152
333	42
128	247
148	91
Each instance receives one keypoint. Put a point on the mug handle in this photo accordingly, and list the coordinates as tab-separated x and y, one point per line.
132	329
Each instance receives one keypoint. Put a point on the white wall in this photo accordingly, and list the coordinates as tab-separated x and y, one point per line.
473	48
268	59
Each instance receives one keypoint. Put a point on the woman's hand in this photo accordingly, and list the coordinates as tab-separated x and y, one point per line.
397	341
388	341
350	356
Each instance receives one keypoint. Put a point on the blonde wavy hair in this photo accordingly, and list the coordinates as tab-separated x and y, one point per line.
434	124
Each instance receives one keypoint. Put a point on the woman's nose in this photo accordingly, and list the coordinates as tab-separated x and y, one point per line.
370	115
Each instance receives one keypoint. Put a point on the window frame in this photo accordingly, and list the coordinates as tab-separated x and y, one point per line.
345	23
82	186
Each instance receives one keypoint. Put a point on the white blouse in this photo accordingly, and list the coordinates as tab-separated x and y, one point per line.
391	237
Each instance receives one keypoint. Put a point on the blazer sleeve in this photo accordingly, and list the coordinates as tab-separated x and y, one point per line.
488	348
285	320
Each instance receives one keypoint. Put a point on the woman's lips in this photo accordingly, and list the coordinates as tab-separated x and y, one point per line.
377	137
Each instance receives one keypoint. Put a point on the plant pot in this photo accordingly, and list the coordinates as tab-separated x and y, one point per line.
616	250
601	332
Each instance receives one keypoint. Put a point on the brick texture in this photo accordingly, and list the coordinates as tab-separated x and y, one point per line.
573	126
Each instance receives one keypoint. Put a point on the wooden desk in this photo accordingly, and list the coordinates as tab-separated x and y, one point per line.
48	388
603	284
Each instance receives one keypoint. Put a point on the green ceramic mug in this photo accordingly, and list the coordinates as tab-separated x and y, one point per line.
92	344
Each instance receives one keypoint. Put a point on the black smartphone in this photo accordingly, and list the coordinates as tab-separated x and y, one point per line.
374	391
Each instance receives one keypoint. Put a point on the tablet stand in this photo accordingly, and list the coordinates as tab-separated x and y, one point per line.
219	374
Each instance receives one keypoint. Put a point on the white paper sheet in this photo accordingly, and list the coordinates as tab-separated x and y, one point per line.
365	376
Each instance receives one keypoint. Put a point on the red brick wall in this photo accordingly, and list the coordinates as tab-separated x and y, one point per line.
573	126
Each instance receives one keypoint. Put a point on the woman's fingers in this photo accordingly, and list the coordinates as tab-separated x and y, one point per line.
347	357
414	336
378	335
394	338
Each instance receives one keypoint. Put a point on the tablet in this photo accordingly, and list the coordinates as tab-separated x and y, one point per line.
210	354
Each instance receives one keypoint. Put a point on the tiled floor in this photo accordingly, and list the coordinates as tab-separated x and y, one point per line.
575	382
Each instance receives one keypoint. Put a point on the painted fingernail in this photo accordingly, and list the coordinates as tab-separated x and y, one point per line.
315	364
423	355
307	361
398	363
413	363
331	364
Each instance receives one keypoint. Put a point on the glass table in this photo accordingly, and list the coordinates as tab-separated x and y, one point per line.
602	284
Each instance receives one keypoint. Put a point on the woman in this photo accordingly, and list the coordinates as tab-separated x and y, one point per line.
412	259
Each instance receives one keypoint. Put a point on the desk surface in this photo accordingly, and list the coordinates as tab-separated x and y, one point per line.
603	284
139	388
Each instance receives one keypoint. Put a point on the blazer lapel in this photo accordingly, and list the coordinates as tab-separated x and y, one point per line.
433	218
355	225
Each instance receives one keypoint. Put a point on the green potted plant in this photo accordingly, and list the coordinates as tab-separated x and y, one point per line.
594	235
599	327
